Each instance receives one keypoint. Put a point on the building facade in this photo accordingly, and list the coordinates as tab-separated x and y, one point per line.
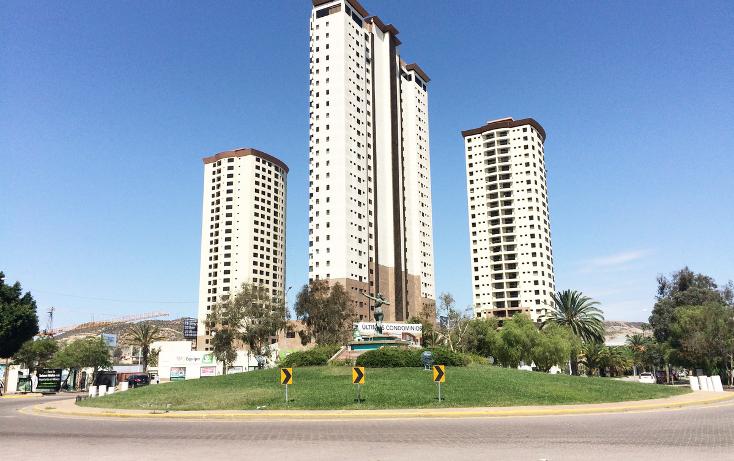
370	223
243	228
509	222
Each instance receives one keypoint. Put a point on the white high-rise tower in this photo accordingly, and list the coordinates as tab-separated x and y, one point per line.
509	222
370	225
242	228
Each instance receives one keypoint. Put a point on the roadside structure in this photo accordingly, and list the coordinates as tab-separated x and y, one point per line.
370	218
243	228
509	221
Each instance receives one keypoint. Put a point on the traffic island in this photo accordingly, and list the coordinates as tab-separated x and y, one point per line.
68	408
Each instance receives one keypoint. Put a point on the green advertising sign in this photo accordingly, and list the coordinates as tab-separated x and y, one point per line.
208	359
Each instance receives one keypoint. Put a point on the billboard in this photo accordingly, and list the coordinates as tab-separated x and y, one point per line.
190	327
412	332
178	373
49	380
109	339
208	371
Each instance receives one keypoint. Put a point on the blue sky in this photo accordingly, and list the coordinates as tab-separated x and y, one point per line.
106	109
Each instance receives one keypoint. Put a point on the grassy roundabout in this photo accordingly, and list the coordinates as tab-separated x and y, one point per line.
330	388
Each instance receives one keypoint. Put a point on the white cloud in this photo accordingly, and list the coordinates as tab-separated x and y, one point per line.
614	261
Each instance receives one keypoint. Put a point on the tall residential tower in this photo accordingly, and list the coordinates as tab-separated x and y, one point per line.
242	229
509	223
370	225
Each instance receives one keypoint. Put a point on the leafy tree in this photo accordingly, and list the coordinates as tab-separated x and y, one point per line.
480	336
701	336
552	347
516	340
223	346
327	312
18	320
252	316
90	352
581	315
36	354
684	288
142	335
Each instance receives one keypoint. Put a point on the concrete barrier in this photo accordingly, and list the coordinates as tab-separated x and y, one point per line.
123	386
93	391
110	390
703	383
694	384
718	387
710	384
102	390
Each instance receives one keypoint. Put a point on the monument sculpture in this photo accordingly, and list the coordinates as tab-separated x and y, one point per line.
379	301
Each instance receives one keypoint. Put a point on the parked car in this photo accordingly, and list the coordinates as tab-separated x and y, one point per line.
138	380
647	378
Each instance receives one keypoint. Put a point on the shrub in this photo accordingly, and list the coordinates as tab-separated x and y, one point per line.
389	357
316	356
476	359
443	356
393	357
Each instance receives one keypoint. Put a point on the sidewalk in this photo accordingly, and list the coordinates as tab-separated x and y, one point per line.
69	408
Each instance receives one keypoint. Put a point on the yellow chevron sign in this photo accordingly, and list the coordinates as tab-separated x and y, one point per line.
286	376
439	373
357	375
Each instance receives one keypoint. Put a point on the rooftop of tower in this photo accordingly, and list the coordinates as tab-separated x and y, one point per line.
245	151
506	122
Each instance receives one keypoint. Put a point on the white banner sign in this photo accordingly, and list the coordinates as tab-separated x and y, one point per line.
408	331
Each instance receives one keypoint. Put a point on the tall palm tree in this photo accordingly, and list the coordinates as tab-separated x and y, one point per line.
637	343
580	314
144	334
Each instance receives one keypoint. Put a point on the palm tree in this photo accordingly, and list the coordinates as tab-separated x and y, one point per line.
144	334
580	314
637	343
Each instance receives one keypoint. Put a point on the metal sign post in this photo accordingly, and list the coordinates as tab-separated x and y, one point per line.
358	380
439	376
286	393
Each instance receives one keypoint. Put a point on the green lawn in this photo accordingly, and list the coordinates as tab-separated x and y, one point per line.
331	388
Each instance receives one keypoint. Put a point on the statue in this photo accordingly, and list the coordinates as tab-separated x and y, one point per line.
379	301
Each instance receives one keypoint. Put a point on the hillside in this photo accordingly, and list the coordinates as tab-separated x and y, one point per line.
171	329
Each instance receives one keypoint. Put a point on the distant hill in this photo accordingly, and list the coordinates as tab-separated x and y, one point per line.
616	332
171	329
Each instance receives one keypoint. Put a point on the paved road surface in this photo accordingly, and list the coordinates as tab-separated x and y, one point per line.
671	434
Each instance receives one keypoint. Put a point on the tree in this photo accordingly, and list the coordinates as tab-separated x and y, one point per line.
637	344
592	356
223	346
18	320
326	311
452	324
702	336
615	359
142	335
552	347
154	355
264	317
36	354
90	352
581	315
480	336
516	340
684	288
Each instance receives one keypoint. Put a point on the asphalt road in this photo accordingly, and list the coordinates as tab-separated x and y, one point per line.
669	434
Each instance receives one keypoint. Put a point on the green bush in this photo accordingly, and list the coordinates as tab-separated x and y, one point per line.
476	359
316	356
393	357
444	356
390	357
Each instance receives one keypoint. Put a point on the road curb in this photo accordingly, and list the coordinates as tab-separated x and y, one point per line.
20	396
638	406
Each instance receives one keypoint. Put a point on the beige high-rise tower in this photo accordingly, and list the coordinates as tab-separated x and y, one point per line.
509	222
370	224
242	229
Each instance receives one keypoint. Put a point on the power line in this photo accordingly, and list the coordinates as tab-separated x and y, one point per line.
112	300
